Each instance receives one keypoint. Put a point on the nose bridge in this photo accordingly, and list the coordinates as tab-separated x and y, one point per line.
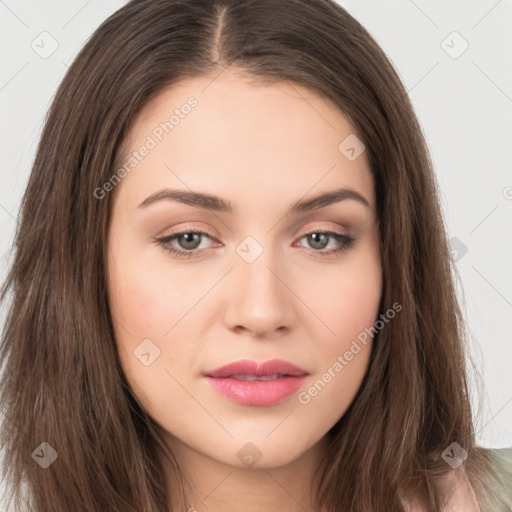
256	267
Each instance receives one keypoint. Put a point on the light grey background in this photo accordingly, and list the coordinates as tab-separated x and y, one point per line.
464	103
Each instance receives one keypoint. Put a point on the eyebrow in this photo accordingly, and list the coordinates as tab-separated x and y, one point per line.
217	204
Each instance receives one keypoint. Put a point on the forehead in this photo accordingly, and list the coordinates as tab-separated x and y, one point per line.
215	132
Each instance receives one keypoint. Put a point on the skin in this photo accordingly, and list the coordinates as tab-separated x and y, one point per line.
261	147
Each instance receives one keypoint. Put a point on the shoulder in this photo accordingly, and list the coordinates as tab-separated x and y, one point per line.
501	460
475	490
456	490
497	484
489	490
459	493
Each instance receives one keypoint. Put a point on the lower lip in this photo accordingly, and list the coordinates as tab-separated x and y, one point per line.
257	392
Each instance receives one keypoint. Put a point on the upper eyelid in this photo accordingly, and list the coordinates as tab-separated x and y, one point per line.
212	235
211	232
185	231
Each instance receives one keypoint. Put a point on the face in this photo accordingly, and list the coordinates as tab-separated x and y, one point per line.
224	247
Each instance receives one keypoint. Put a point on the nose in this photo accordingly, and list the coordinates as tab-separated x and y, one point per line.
260	299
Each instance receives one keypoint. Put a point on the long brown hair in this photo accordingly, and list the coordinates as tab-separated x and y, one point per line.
62	383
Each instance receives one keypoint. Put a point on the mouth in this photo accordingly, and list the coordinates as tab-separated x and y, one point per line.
248	382
273	376
273	369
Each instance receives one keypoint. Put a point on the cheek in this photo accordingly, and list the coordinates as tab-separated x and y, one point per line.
145	307
346	300
330	393
146	298
151	301
348	309
342	356
140	296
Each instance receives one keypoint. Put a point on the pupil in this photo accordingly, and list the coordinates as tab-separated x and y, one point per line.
316	236
189	238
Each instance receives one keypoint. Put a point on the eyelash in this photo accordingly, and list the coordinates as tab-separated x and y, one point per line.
346	241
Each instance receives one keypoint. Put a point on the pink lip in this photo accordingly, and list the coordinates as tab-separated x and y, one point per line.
257	392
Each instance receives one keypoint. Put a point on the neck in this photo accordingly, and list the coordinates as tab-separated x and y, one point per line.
210	485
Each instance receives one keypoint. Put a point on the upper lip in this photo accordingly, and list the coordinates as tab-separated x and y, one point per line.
251	367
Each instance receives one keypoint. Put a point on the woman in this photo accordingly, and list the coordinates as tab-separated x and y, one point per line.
232	288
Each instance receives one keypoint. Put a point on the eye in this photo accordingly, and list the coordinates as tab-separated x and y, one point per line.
319	239
189	242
